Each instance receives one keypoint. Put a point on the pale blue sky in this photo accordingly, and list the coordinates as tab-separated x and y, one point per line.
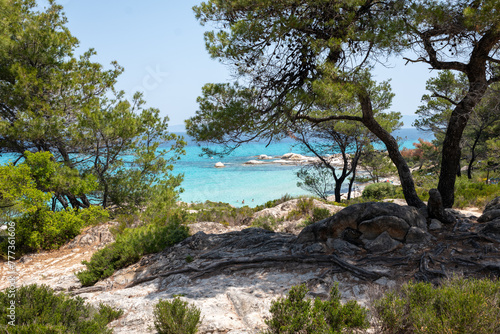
160	44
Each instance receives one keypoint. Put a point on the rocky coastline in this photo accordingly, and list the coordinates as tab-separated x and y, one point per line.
236	271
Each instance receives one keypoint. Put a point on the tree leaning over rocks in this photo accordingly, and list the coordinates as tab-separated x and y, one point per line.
447	89
290	52
351	139
462	36
291	55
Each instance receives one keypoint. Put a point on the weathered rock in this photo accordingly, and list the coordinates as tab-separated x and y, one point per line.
491	230
382	244
283	209
219	165
385	282
396	227
254	162
213	228
493	204
234	277
417	236
97	236
435	225
342	247
352	236
264	157
354	215
293	156
489	215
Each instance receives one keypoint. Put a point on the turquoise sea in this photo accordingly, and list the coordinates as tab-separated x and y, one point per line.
253	184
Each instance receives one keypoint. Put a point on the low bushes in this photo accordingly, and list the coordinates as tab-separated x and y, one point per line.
130	246
38	309
458	306
46	230
176	317
304	209
266	222
219	212
379	191
295	314
317	215
273	203
474	193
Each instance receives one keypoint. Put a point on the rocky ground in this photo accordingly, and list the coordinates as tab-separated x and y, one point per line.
234	273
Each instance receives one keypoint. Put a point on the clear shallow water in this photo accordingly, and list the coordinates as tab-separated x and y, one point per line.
255	184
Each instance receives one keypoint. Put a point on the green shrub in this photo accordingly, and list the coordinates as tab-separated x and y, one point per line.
458	306
130	246
274	202
295	314
305	205
266	222
40	310
304	209
474	193
379	191
45	229
176	317
219	212
318	214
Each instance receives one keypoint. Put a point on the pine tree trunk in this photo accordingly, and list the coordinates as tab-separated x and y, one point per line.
451	145
392	146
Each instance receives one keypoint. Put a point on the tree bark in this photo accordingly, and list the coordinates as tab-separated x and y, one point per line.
451	146
391	144
473	154
354	165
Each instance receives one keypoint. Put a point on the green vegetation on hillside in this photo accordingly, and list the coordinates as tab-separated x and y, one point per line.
39	309
80	150
461	306
130	245
176	317
297	314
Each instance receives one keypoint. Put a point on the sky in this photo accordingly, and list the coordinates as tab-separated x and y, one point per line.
160	44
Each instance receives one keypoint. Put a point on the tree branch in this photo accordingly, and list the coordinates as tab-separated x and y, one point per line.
445	98
493	60
316	120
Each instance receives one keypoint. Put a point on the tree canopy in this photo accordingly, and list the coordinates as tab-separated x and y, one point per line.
53	101
289	54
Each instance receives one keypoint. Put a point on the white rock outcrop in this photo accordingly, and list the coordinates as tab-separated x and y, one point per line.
219	165
282	210
254	162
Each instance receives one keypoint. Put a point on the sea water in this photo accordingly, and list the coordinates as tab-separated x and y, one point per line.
240	184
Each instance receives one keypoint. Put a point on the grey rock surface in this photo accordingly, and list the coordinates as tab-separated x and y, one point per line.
382	244
283	209
489	215
417	235
368	217
342	246
435	225
493	204
491	229
396	227
236	272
